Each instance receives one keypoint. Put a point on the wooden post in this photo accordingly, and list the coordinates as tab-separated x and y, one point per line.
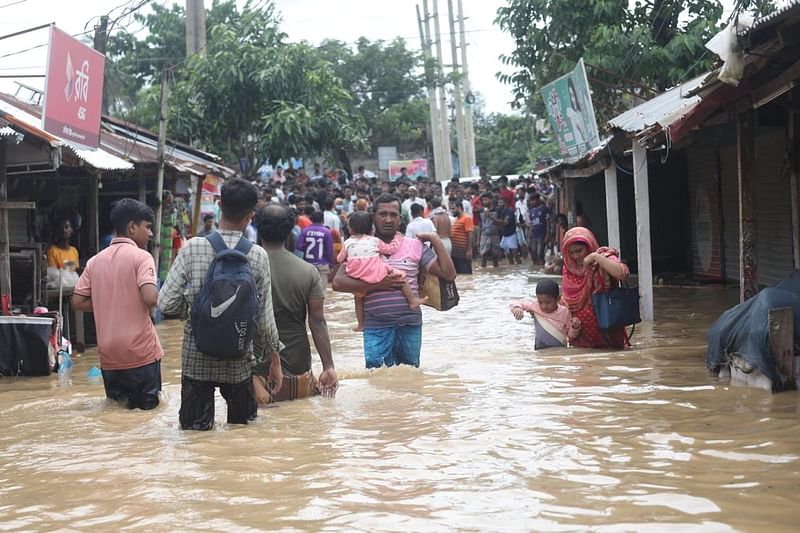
748	259
641	187
793	135
94	215
142	188
781	344
196	215
5	254
612	206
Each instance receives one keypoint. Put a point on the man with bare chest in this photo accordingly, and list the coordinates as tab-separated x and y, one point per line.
441	220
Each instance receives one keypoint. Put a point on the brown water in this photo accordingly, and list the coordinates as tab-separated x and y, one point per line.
486	435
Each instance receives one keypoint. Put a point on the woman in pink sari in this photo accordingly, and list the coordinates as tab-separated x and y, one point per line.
589	269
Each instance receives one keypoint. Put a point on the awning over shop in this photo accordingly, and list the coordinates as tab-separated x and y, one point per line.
25	122
122	144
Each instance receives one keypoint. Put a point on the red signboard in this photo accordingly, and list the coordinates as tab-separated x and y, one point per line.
73	90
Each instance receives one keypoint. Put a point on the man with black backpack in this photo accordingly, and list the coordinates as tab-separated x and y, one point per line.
224	280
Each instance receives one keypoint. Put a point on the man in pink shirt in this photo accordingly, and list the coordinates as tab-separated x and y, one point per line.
119	287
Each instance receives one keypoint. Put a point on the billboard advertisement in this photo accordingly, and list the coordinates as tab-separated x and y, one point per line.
73	90
415	168
569	106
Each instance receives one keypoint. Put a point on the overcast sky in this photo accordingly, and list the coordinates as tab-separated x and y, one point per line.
312	20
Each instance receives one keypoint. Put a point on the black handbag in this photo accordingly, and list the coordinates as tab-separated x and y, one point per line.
617	307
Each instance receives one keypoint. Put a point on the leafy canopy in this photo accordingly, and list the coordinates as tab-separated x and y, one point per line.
646	46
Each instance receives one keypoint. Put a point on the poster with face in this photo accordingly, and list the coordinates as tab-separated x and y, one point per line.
569	108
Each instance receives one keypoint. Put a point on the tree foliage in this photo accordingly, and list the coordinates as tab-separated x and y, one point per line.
504	143
252	92
254	96
386	83
250	95
645	46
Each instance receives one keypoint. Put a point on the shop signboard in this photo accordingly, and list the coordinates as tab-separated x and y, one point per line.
569	106
73	90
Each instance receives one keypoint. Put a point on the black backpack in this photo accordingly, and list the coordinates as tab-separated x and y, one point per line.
225	311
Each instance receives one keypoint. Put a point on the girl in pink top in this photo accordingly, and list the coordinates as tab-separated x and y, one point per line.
363	254
552	321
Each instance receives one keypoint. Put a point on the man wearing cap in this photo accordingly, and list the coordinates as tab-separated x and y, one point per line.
412	199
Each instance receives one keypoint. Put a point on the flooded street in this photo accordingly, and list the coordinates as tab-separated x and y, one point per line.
487	434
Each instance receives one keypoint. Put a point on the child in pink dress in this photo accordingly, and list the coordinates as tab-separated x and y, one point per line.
363	254
553	322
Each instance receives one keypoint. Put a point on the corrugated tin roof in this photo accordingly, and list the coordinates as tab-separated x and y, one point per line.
6	131
779	14
98	158
126	141
661	108
132	142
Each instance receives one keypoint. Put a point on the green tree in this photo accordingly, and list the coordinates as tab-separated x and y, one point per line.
642	47
504	143
252	96
134	62
386	82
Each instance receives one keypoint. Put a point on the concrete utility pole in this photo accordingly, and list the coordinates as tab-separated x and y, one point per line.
162	144
446	159
436	136
641	189
463	158
100	44
612	206
195	27
468	126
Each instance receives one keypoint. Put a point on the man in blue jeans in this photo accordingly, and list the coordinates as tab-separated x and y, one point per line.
392	330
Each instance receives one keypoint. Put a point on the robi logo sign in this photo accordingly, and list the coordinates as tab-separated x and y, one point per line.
73	94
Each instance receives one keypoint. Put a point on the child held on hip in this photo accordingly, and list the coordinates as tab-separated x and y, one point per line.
363	256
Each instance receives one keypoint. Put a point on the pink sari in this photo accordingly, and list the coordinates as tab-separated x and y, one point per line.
580	282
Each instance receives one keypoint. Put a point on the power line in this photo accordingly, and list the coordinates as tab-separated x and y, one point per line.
13	3
81	34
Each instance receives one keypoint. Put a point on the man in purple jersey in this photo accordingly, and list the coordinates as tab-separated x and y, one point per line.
316	246
392	330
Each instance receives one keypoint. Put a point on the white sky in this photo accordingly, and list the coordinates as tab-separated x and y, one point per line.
312	20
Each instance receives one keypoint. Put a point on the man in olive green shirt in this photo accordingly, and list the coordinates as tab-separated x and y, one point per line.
297	293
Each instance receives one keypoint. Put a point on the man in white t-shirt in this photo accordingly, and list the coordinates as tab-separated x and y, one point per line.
418	224
331	218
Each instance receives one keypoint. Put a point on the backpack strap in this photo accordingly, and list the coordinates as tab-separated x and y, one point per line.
217	242
244	245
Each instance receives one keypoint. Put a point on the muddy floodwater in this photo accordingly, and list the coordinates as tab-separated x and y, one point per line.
486	435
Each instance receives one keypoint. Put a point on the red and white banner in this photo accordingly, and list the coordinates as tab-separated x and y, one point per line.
73	90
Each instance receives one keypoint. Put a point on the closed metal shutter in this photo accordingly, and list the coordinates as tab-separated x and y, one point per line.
729	171
705	213
773	208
